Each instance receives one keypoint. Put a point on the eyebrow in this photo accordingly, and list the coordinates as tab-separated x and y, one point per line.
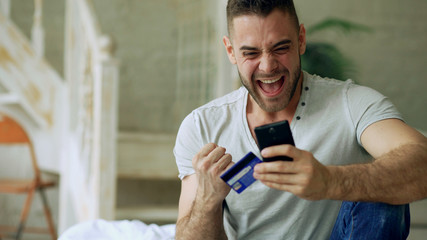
248	48
283	42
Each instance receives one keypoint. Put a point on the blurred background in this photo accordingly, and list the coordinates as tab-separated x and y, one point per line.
103	86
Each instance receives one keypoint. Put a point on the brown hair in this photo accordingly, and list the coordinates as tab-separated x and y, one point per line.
261	8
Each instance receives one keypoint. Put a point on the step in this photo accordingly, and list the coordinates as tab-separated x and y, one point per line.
419	214
146	155
27	80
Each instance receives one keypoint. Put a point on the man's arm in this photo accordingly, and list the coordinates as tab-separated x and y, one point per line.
200	204
397	175
196	220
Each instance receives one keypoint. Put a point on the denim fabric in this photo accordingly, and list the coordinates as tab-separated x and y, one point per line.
363	220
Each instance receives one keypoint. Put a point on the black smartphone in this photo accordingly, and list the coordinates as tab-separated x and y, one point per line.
277	133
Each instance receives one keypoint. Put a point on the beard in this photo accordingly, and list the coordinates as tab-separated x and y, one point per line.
277	103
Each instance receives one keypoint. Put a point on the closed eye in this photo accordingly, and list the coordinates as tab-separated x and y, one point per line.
282	47
250	54
282	50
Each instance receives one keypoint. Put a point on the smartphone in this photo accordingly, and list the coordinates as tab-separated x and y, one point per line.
277	133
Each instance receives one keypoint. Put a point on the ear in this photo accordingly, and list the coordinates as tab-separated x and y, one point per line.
302	40
229	49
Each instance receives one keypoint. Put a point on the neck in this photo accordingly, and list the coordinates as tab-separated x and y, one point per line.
257	116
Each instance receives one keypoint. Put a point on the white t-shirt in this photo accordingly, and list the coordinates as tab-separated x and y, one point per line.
329	120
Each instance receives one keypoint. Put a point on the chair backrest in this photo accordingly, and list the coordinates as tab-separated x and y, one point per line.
11	132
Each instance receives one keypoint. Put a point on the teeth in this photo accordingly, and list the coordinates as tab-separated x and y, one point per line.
270	80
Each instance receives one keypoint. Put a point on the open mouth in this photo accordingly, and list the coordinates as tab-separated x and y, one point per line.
271	87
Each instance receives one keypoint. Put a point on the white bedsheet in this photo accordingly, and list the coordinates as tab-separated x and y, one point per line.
118	230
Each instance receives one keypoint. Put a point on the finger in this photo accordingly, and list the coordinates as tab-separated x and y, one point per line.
281	150
224	162
204	151
277	178
281	167
229	165
208	148
295	189
216	154
282	187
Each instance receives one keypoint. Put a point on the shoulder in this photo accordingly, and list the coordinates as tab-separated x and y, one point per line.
226	100
222	105
326	90
324	83
214	112
358	92
351	90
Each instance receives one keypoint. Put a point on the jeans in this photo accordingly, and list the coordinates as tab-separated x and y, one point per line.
364	220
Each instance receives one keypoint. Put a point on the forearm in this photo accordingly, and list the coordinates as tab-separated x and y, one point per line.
202	222
397	177
202	195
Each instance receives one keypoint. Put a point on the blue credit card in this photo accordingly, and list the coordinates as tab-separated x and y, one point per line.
240	175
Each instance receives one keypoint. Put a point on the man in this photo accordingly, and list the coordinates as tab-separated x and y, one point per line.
352	149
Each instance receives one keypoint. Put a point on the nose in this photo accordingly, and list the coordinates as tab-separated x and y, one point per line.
267	63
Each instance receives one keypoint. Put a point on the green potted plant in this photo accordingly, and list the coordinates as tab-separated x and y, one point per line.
324	58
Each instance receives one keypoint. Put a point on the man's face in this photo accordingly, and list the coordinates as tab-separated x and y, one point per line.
267	53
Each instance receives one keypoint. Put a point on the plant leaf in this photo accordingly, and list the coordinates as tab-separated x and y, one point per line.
324	59
338	24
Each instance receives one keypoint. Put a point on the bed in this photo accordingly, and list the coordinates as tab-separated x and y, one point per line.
118	230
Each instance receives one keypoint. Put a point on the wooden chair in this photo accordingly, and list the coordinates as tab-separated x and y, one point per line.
12	133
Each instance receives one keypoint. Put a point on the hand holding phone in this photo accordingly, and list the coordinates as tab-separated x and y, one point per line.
277	133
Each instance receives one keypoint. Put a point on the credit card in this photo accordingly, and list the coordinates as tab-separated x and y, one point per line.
240	176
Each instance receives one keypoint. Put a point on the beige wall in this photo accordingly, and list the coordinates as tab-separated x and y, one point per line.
151	37
393	58
146	36
22	12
